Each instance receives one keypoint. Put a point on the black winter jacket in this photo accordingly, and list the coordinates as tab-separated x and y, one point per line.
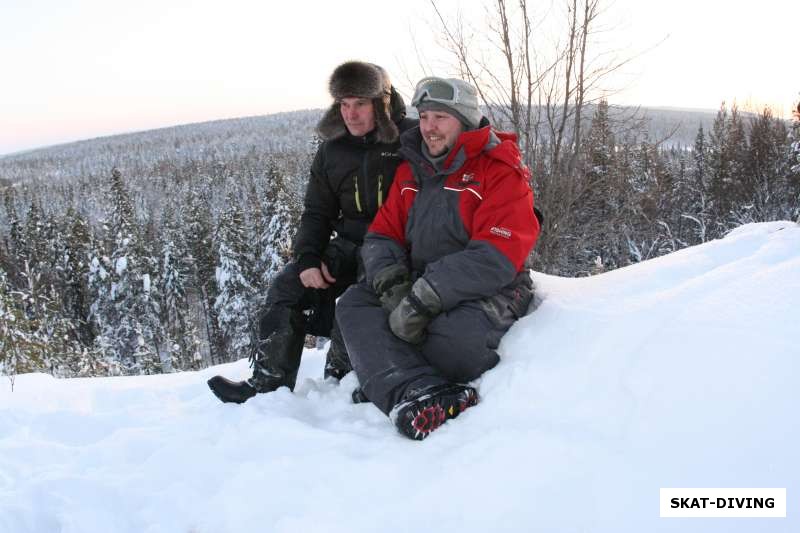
350	179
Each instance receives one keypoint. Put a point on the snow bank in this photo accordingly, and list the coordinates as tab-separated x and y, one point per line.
677	372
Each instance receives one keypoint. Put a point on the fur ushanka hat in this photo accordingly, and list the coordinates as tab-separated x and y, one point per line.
360	80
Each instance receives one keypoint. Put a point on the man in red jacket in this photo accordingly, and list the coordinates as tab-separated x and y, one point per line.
444	263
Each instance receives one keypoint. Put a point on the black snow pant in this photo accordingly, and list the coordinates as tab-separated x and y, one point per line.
289	313
459	347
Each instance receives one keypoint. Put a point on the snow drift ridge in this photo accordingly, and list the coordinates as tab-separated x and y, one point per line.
676	372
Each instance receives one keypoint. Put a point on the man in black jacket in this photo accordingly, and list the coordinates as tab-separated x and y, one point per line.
350	178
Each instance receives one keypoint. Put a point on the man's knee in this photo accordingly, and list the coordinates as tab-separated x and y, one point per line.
458	344
358	295
468	365
275	318
286	288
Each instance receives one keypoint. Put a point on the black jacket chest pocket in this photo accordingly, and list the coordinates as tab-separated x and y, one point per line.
366	194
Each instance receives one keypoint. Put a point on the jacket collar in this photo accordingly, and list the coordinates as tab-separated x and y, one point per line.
468	145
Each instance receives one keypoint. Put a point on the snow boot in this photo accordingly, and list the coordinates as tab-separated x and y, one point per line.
275	359
417	417
358	395
337	362
231	391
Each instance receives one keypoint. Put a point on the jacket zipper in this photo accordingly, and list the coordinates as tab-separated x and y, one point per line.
358	198
380	190
366	174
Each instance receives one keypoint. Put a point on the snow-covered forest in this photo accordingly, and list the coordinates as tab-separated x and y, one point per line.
151	252
147	252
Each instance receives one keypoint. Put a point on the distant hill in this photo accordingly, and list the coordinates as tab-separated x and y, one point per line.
280	133
677	125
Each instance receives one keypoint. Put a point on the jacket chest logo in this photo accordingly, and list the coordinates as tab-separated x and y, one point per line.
468	178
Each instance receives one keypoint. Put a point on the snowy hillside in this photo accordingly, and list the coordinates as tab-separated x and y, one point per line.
279	133
677	372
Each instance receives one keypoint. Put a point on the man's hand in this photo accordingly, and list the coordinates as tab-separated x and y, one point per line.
315	278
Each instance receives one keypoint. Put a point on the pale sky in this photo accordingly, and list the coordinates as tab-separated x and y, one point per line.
76	69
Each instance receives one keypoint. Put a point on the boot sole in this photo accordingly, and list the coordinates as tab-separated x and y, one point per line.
428	415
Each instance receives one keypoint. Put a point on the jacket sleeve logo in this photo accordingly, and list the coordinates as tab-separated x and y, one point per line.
500	232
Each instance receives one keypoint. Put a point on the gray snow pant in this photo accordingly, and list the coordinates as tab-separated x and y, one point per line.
459	347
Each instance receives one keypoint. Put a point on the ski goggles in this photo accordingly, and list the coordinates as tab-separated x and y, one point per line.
439	90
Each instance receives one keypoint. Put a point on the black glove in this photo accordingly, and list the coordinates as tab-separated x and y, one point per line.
410	319
341	258
391	285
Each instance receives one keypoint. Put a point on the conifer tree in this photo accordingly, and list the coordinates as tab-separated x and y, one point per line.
600	142
256	221
15	243
794	164
53	333
74	269
720	182
692	204
35	247
737	156
19	349
278	228
199	230
35	336
596	197
795	146
700	156
234	303
128	313
766	185
100	294
275	243
181	340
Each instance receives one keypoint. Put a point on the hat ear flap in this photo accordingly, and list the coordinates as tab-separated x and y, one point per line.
332	125
386	131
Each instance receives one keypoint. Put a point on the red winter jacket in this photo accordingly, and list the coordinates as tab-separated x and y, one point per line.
467	228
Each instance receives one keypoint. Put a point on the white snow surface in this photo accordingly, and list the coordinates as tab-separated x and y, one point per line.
677	372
